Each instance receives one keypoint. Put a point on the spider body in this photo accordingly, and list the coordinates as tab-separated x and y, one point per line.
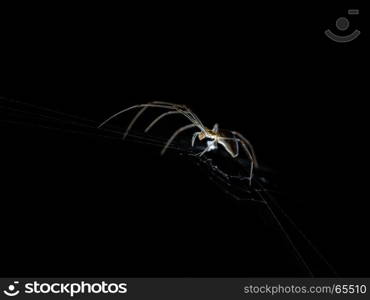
230	140
217	136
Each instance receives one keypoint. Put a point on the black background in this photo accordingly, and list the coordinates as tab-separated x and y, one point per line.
80	205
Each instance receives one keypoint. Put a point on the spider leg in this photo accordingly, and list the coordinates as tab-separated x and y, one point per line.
130	108
172	112
180	109
204	151
167	103
250	157
248	145
185	110
171	105
193	138
246	149
237	146
195	117
157	104
175	134
141	111
174	108
209	146
156	120
215	128
192	115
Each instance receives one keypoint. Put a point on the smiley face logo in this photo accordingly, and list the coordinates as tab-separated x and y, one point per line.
11	291
342	24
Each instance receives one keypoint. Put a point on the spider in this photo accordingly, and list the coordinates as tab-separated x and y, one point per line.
230	140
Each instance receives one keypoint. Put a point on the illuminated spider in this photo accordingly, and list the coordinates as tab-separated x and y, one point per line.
230	140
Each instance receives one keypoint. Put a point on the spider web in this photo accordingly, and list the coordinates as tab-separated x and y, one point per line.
20	113
230	175
235	183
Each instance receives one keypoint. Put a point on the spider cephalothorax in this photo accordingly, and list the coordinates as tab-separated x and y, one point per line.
230	140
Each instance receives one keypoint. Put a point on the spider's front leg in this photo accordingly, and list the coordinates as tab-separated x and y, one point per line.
195	135
211	145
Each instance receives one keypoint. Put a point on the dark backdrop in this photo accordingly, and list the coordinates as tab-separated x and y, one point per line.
75	204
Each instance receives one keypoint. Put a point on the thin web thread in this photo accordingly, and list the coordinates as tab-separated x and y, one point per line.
134	136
